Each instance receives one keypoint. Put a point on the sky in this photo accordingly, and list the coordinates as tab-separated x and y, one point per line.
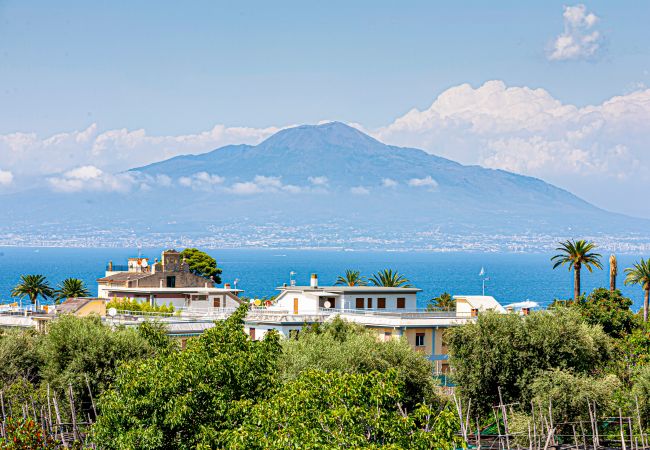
555	90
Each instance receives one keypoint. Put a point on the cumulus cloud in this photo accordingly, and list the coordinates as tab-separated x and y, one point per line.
90	178
318	181
530	132
6	177
389	183
201	181
423	182
112	150
359	190
578	40
261	184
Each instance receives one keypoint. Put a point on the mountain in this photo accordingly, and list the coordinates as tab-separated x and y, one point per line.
330	184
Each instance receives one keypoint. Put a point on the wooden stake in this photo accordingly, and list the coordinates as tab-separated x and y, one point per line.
505	418
620	420
73	413
92	401
58	420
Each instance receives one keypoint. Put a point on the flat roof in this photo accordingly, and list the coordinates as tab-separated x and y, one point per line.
166	290
341	289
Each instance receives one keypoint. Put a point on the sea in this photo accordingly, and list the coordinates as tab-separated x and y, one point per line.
509	277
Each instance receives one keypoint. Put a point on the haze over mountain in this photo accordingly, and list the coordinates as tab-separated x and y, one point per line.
325	184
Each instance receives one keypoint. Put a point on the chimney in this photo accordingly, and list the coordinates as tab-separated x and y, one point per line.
161	282
510	309
474	312
110	266
525	311
314	280
226	286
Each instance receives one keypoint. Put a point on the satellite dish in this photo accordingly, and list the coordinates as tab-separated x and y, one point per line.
328	304
112	312
144	263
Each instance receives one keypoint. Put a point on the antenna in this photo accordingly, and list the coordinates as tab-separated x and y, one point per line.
292	281
482	274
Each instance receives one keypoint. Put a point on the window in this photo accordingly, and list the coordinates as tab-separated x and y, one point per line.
369	303
419	339
251	333
359	303
381	303
388	335
401	302
216	302
171	281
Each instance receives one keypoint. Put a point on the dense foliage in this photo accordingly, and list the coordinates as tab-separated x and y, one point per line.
202	264
508	351
133	305
340	346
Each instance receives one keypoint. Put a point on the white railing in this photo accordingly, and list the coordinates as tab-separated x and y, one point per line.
402	313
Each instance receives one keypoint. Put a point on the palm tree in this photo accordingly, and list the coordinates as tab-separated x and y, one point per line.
33	286
640	274
613	271
444	302
388	278
577	254
351	278
71	288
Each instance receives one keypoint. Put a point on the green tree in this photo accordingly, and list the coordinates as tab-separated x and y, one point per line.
388	278
347	347
609	309
640	274
76	348
342	410
444	301
71	288
33	286
509	351
202	264
187	399
19	355
577	254
351	278
641	390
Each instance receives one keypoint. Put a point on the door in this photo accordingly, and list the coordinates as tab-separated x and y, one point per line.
295	306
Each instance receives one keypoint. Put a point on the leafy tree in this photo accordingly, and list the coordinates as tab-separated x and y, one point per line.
388	278
640	274
576	254
202	264
71	288
606	308
334	410
19	355
75	348
186	399
510	351
133	305
155	333
33	286
351	278
340	346
641	390
569	393
444	301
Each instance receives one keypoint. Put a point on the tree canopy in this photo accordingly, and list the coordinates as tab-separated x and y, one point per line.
202	264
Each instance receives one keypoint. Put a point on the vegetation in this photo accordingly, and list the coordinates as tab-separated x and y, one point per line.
577	254
202	264
33	287
351	278
640	274
507	351
71	288
388	278
133	305
444	301
340	346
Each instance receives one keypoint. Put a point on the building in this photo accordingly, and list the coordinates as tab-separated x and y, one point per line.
391	312
170	272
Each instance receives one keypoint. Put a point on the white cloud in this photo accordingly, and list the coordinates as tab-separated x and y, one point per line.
528	131
389	183
578	40
245	188
423	182
200	181
318	181
359	190
262	184
6	177
112	150
90	178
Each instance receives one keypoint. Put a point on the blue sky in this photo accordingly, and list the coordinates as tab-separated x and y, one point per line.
110	76
176	69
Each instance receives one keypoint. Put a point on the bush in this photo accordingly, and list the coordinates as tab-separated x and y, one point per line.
128	304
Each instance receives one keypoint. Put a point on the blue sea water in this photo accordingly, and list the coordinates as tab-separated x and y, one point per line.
512	277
